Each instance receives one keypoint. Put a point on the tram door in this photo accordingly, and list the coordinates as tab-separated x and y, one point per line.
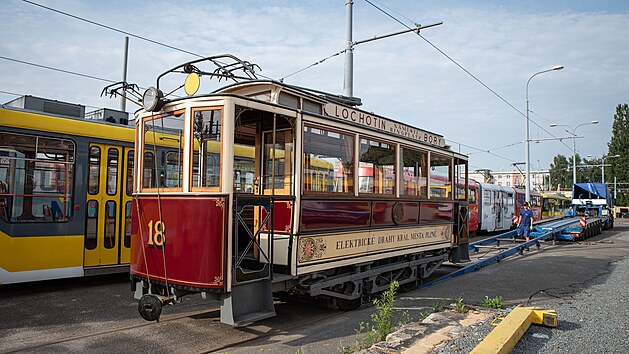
105	193
262	171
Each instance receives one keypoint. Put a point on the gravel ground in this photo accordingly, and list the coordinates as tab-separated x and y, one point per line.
596	320
587	326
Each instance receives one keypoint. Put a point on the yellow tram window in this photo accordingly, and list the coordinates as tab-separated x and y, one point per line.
110	224
94	171
91	224
332	154
414	173
129	187
127	225
35	178
112	171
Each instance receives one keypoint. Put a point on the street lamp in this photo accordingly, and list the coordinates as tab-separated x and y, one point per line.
527	147
574	145
603	167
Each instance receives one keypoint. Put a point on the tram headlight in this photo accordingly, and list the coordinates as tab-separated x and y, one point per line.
152	99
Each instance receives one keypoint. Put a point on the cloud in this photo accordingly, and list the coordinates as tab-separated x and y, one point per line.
403	77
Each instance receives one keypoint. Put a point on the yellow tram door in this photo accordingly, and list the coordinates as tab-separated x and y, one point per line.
104	190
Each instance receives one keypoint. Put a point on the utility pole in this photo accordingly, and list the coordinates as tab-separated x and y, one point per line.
348	84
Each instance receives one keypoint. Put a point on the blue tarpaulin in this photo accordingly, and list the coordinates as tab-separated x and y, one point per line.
591	190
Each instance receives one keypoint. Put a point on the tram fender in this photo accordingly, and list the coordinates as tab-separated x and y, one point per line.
247	303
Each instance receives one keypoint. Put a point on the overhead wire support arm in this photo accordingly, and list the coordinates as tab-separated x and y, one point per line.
417	29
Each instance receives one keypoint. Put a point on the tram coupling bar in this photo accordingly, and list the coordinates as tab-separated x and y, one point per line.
150	306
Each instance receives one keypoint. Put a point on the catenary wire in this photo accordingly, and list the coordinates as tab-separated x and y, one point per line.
466	71
294	73
122	31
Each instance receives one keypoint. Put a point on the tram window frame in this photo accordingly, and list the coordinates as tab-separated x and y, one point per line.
460	175
215	182
377	188
161	142
130	164
90	241
346	159
421	185
284	164
37	175
127	225
112	173
446	186
93	174
110	224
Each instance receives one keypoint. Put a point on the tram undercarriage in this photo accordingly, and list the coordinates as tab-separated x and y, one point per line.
342	288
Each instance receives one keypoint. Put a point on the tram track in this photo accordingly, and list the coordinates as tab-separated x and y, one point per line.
212	313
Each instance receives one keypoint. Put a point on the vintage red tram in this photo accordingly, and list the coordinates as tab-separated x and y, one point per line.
269	188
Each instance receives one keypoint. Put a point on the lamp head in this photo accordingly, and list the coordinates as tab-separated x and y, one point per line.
557	67
552	125
594	122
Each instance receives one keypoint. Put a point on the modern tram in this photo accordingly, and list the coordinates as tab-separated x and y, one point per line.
65	195
336	202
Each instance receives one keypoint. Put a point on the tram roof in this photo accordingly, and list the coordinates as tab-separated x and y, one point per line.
332	106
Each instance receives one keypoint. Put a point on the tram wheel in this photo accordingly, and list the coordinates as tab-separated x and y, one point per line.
348	305
150	307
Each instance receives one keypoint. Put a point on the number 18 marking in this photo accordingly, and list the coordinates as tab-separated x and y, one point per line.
156	233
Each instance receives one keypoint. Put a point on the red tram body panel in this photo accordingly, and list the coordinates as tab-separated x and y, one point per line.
194	230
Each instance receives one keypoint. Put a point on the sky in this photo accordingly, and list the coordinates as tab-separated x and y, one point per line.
465	79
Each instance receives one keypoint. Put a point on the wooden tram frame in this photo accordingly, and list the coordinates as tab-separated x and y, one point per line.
242	248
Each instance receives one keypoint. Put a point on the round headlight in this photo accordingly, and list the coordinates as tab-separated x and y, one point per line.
152	99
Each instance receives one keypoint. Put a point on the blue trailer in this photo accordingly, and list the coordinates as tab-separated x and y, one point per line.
593	200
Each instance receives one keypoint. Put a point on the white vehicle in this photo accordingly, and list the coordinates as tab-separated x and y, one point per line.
497	208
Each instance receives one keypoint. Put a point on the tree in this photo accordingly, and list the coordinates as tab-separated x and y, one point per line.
560	173
619	145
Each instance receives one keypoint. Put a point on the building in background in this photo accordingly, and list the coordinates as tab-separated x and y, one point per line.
540	180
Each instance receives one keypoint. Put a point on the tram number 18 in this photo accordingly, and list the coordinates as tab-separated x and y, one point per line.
157	232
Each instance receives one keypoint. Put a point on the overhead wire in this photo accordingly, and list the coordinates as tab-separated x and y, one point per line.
466	71
122	31
57	69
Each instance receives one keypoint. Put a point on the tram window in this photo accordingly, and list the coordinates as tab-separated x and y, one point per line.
36	178
206	164
376	169
310	106
289	100
282	153
110	224
148	175
112	171
91	225
164	131
331	156
130	163
414	173
262	96
440	176
472	196
460	171
487	197
94	171
174	170
127	225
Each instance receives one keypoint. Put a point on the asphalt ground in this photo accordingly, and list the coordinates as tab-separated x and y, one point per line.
99	315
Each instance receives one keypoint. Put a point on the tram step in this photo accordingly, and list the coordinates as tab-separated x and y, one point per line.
247	303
